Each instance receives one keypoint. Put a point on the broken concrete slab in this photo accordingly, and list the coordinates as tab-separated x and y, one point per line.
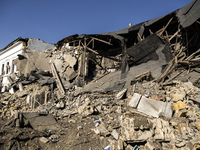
58	64
39	59
24	66
150	106
145	50
40	122
109	81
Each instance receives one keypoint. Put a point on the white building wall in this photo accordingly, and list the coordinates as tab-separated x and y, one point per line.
7	56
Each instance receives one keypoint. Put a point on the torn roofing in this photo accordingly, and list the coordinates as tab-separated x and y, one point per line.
105	38
188	14
67	40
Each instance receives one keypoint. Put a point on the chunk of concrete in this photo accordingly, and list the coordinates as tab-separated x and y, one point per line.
121	94
39	59
24	66
22	93
151	145
44	140
70	74
129	147
58	63
70	60
179	105
117	145
162	130
131	135
82	107
60	105
115	134
150	107
88	111
101	129
178	96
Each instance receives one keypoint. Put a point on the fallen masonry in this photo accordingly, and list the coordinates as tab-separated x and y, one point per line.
136	88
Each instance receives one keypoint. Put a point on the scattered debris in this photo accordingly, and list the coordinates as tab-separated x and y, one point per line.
136	88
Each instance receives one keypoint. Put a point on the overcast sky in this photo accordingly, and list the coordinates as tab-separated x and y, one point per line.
53	20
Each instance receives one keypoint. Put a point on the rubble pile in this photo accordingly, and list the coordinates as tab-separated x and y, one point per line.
137	88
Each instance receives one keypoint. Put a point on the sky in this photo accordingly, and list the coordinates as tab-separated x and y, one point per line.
53	20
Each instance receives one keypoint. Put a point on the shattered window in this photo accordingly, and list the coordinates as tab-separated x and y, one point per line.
7	68
13	67
2	70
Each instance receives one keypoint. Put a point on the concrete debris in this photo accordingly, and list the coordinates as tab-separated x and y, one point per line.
121	94
179	105
70	60
44	140
150	107
137	88
115	134
41	122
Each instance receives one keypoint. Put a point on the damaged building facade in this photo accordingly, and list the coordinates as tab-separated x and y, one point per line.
133	88
7	56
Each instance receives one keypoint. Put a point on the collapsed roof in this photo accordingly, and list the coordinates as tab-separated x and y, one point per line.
186	16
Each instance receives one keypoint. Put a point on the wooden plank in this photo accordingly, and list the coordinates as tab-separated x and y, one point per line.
167	37
92	50
166	26
102	41
89	42
173	77
171	66
174	35
140	36
192	55
58	81
150	31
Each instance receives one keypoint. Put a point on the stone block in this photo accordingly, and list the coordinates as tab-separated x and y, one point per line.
44	140
179	105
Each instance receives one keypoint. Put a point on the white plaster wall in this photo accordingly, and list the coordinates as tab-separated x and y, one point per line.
9	55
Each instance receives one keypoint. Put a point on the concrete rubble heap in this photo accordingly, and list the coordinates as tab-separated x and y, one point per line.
137	88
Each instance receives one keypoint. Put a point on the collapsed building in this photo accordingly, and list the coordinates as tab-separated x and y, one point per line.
89	74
